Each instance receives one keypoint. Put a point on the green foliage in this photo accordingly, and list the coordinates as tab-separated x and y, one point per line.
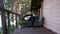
20	22
12	28
25	5
1	32
8	4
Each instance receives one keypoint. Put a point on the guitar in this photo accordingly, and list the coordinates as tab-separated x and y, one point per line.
27	17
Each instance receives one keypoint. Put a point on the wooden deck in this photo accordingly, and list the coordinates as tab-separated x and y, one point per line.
35	30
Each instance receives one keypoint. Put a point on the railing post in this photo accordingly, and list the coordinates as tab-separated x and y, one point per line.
8	22
4	22
16	21
3	18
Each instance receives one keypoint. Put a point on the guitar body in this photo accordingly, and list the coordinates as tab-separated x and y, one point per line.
27	18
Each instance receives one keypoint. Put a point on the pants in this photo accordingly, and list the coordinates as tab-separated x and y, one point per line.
32	21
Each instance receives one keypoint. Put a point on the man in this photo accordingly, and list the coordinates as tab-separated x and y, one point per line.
30	17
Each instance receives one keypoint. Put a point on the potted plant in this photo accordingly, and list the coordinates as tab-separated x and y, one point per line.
20	24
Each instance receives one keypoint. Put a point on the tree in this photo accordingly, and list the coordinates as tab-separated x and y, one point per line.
25	6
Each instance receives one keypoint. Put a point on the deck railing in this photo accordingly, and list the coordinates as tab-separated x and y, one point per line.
9	21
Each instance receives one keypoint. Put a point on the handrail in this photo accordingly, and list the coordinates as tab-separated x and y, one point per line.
8	11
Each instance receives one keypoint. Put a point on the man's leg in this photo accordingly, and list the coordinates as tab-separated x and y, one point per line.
32	23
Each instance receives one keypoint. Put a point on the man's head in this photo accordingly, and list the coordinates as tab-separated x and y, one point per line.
29	12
